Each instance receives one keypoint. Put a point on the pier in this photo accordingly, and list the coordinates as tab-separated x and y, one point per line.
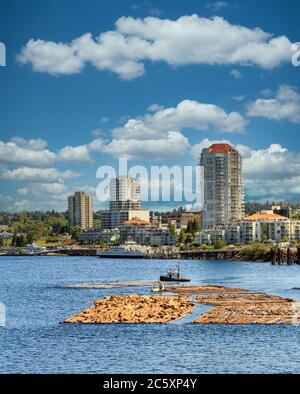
217	254
285	256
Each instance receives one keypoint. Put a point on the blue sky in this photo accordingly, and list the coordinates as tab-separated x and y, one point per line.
163	81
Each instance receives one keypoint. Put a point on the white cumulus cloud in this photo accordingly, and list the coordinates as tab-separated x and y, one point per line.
29	153
187	114
285	105
172	144
37	174
190	39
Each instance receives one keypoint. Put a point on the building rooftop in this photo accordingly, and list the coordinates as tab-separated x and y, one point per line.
258	216
221	148
136	221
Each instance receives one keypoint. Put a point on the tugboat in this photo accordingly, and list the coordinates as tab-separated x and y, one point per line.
173	276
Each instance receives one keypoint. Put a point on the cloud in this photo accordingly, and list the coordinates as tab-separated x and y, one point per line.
47	196
166	147
33	144
4	199
81	153
37	174
26	152
218	5
51	57
285	105
38	189
32	153
271	163
155	107
155	12
236	74
239	98
8	204
187	40
273	189
97	132
187	114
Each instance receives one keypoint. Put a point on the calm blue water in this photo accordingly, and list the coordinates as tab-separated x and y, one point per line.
35	341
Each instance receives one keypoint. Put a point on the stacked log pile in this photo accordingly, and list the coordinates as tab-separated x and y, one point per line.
247	308
202	289
134	309
229	306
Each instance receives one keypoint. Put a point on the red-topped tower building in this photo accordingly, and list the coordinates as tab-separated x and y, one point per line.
223	186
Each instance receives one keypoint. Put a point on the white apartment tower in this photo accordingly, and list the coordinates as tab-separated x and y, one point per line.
124	194
124	203
80	210
223	187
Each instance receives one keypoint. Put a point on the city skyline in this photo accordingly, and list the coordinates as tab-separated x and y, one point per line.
66	110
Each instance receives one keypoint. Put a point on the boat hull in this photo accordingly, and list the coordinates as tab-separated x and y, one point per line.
168	279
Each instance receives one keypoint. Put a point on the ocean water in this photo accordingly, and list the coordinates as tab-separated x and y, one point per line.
35	341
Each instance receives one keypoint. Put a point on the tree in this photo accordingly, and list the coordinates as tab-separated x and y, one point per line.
14	240
172	229
29	238
196	225
204	247
97	223
256	251
193	226
182	237
75	231
219	244
189	227
22	240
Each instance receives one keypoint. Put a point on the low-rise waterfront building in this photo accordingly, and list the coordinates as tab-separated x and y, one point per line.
209	236
5	235
144	233
178	219
233	233
262	226
98	235
113	219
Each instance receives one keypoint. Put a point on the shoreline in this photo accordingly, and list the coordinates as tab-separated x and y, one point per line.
274	256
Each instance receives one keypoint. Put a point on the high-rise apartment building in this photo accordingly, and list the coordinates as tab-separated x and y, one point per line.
124	203
124	194
80	210
223	188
